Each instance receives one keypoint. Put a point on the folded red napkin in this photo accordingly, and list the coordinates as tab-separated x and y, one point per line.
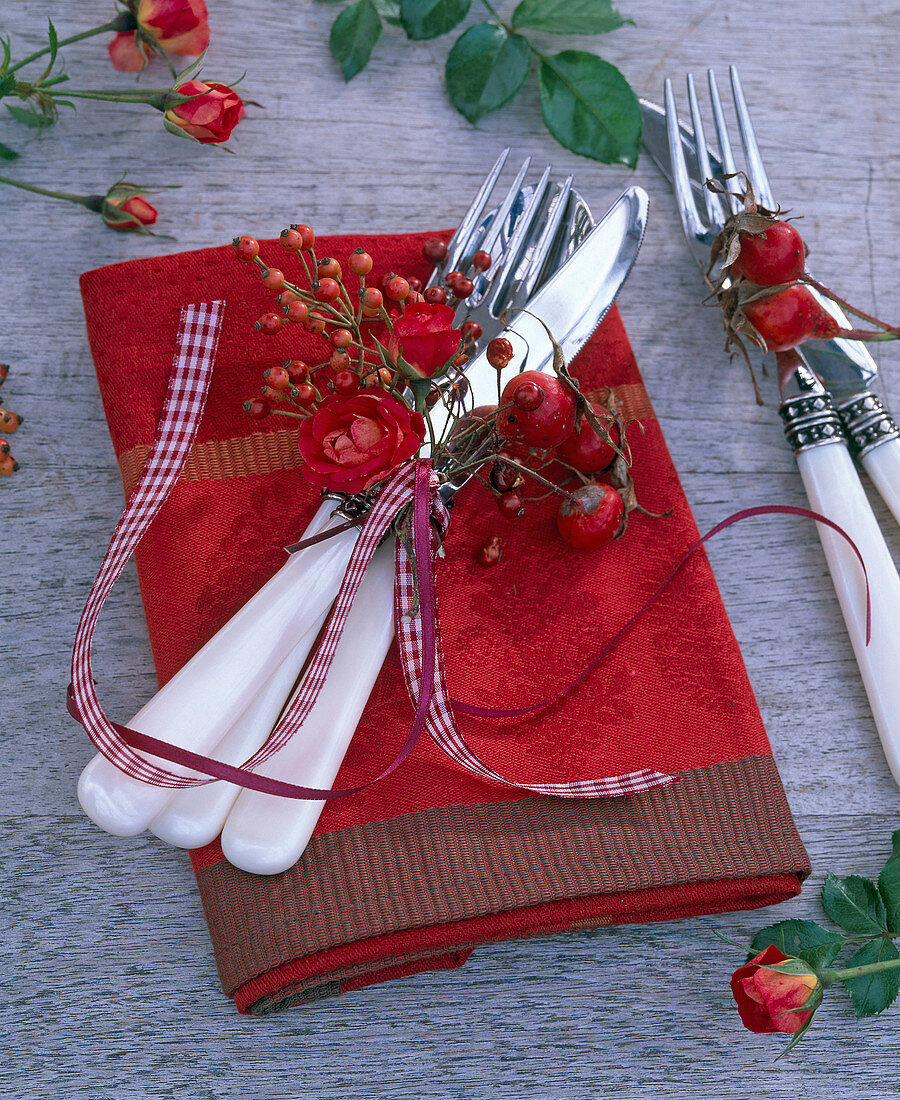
420	868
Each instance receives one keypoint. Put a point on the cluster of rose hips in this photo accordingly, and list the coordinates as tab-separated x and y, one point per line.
764	288
550	434
457	284
9	422
327	308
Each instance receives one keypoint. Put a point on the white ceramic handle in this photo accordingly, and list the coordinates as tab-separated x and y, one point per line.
198	706
266	834
195	815
882	464
834	489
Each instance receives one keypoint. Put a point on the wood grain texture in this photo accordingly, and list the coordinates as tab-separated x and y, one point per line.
108	983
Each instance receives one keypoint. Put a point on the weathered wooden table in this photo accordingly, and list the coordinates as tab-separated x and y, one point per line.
109	987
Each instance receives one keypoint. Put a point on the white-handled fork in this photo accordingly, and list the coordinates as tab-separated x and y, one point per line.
812	425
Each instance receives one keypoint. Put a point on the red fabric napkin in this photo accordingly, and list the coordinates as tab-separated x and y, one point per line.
422	867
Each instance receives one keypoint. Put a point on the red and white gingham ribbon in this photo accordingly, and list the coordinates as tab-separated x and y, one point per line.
415	609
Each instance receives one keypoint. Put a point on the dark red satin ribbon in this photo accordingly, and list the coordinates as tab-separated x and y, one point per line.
425	573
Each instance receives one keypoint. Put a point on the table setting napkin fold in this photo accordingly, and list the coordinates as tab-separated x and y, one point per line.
417	870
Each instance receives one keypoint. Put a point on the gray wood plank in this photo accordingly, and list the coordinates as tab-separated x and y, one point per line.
108	984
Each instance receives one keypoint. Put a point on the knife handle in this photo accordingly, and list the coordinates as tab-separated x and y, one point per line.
875	436
834	489
266	834
199	705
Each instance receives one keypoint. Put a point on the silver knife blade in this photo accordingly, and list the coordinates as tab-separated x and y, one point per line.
845	367
572	303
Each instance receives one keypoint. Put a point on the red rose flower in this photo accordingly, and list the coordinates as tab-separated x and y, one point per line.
127	53
179	26
425	337
349	443
776	993
210	117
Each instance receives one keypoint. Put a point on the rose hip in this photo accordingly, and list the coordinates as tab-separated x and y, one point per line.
776	256
790	317
277	377
592	518
585	449
435	250
435	295
269	324
491	553
549	423
499	352
328	268
272	278
245	248
510	504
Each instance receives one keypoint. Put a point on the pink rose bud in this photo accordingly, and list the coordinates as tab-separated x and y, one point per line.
776	993
127	211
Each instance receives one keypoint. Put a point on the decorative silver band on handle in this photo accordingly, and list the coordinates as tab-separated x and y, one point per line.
867	422
811	420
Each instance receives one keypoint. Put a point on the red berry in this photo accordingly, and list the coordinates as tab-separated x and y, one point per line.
471	330
246	248
504	477
528	396
396	288
346	382
549	423
307	237
414	296
491	552
277	377
790	317
326	290
340	360
9	420
435	295
304	395
272	278
435	250
291	240
287	297
371	299
269	323
297	311
481	261
499	352
4	373
360	262
341	337
298	371
587	451
510	504
775	256
271	394
415	284
328	268
592	517
459	284
314	324
8	465
4	446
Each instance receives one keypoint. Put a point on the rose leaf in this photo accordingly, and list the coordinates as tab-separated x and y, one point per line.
485	69
889	887
872	993
568	16
430	18
854	903
589	107
800	939
353	36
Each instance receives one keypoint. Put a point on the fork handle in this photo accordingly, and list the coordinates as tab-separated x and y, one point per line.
875	436
834	489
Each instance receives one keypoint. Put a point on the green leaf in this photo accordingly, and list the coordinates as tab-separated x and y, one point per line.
568	16
30	118
872	993
485	69
6	153
353	36
854	903
800	939
429	18
889	887
589	107
54	43
7	83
